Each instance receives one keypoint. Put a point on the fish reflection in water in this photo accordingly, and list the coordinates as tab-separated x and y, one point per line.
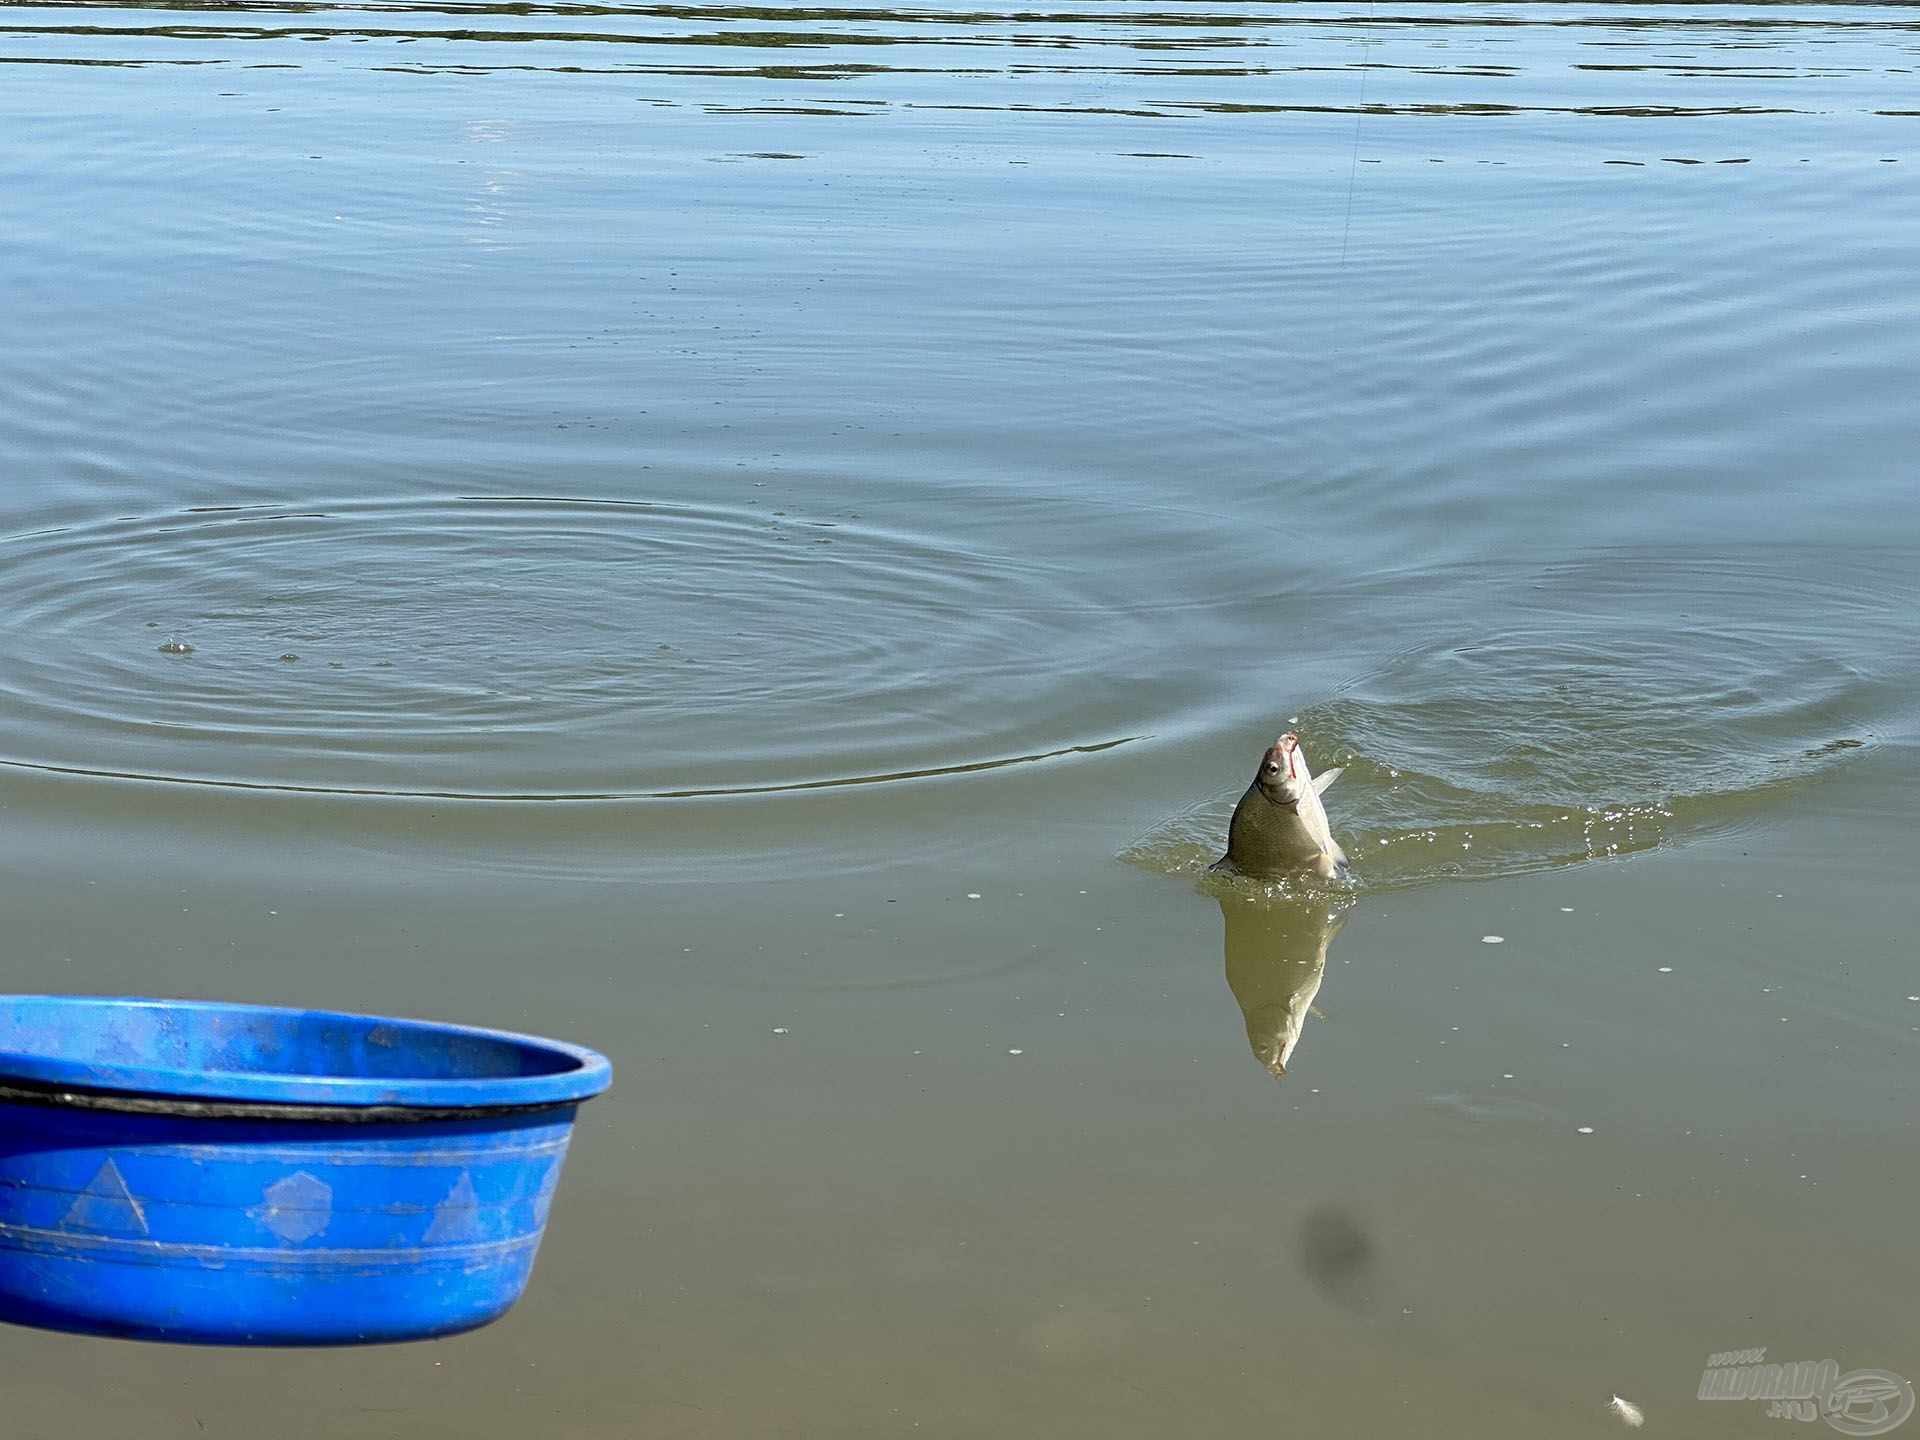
1276	950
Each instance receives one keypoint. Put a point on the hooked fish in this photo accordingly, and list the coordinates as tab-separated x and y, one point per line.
1280	827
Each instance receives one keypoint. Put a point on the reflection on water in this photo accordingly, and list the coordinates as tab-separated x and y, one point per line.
1252	60
1276	953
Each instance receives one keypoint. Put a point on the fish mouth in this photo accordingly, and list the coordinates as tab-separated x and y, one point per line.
1289	745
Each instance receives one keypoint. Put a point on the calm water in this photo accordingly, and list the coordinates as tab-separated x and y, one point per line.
767	540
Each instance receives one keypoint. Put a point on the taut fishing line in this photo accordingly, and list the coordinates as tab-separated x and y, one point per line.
1353	167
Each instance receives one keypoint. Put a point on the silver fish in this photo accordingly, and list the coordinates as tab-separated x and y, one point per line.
1280	827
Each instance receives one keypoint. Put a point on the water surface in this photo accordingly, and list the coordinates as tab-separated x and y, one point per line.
767	540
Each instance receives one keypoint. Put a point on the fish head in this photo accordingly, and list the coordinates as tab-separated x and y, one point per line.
1284	777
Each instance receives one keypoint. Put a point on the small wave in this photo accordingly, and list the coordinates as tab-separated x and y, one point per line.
1647	701
540	648
1191	842
1403	827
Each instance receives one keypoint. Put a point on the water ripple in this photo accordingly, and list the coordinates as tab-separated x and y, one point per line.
1596	708
536	648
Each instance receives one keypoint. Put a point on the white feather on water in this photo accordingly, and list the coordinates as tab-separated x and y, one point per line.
1629	1413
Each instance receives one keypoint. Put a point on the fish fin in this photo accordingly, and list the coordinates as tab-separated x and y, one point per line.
1320	782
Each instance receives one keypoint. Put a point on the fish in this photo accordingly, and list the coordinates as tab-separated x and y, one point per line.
1280	827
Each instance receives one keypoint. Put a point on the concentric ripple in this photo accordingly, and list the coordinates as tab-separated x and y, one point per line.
1600	707
511	647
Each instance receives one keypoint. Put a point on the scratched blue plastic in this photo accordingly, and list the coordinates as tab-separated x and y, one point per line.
269	1231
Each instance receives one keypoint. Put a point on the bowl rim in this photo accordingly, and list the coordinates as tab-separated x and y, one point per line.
586	1073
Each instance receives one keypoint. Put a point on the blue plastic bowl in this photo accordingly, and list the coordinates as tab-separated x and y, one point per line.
238	1174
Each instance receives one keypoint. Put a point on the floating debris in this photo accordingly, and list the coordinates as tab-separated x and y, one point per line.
175	646
1493	939
1629	1413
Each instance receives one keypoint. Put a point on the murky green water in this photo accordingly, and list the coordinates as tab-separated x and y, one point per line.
768	541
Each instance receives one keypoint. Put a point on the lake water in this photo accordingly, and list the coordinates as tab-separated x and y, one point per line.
768	541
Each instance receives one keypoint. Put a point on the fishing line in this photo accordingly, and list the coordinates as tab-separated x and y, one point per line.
1353	168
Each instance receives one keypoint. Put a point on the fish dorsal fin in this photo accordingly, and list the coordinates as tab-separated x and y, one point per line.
1320	782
